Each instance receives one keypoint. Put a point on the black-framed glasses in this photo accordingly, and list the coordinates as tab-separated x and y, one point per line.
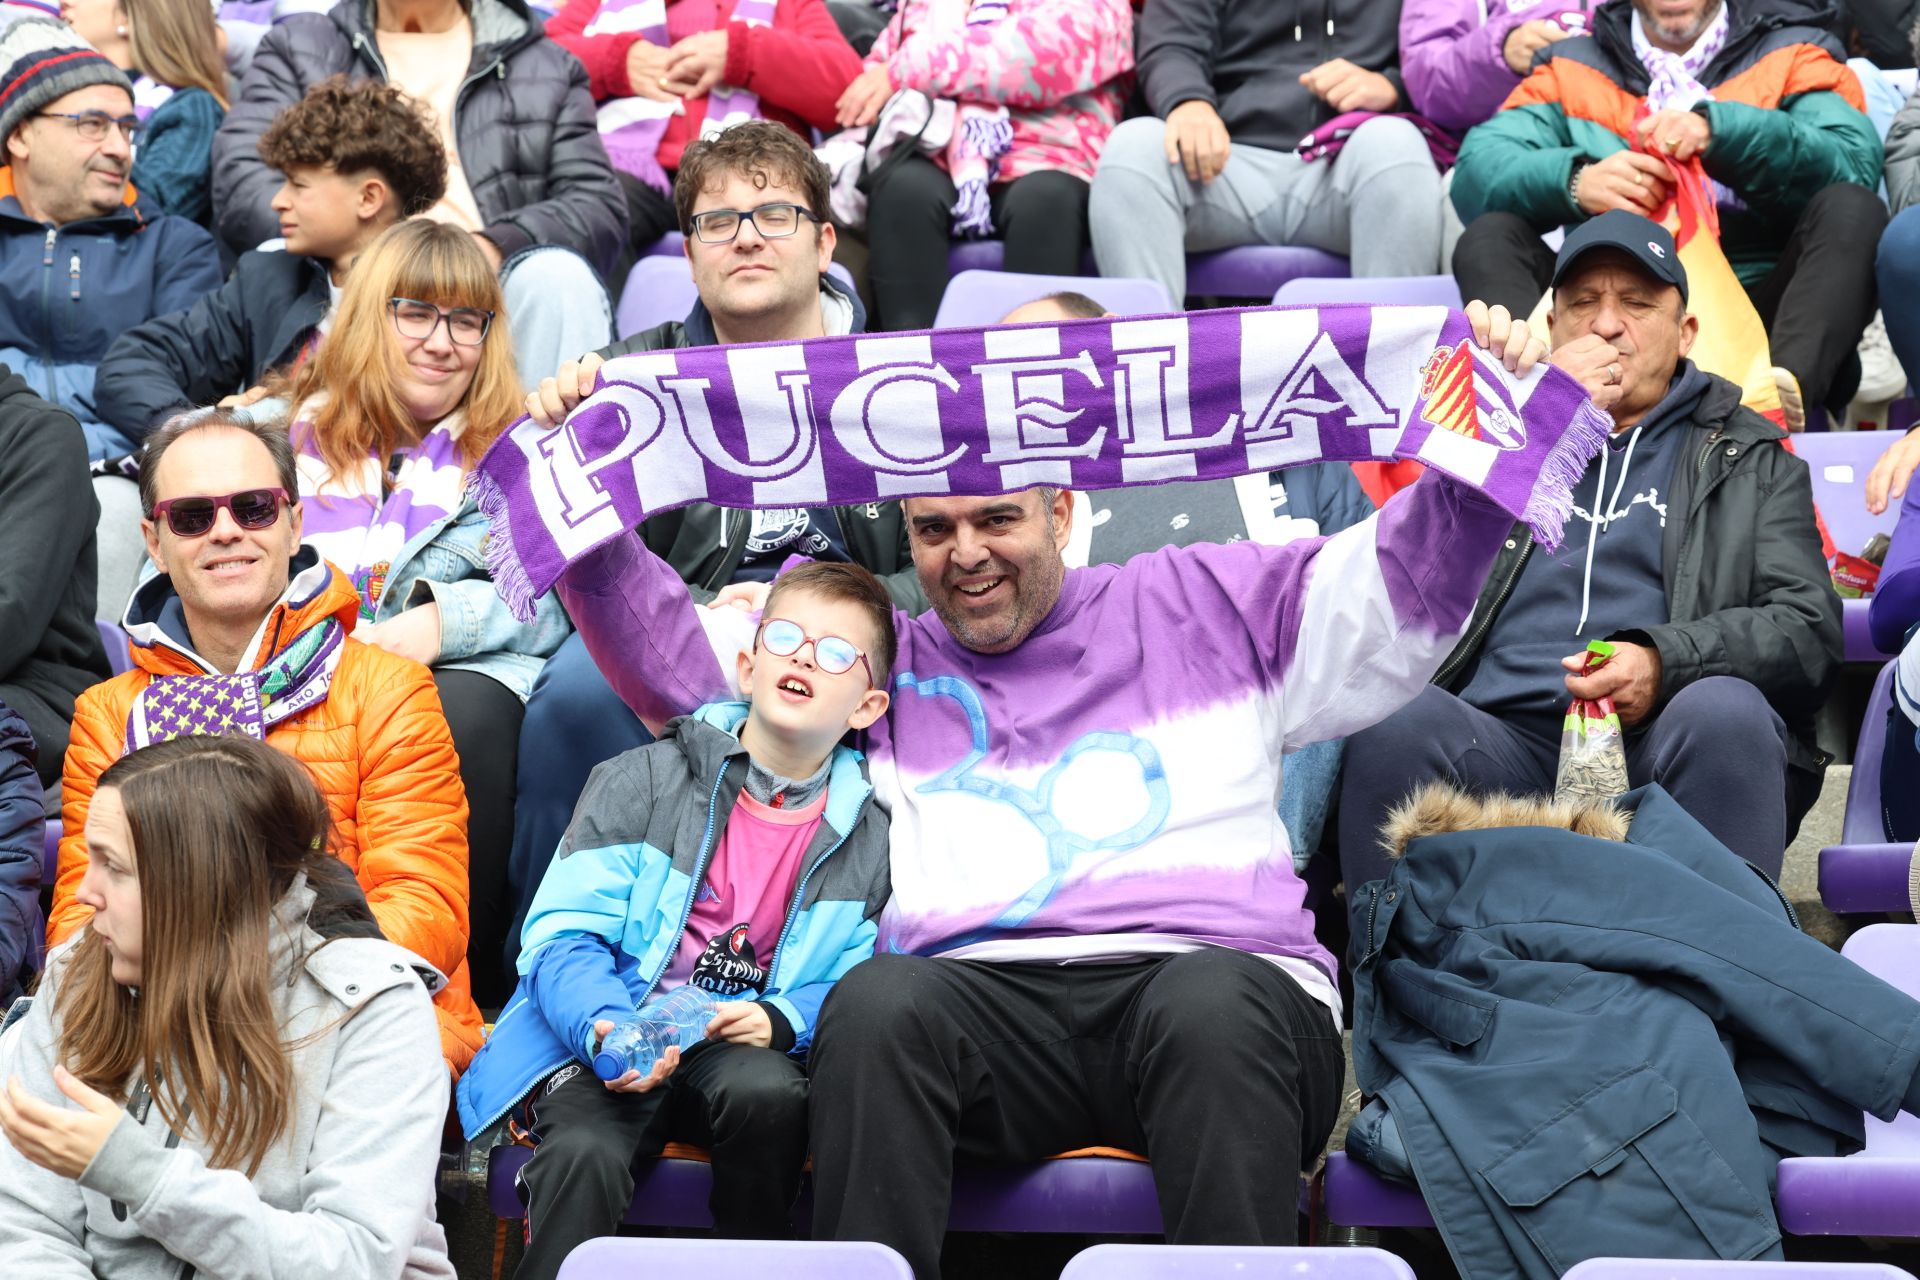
466	326
92	125
252	509
834	655
772	221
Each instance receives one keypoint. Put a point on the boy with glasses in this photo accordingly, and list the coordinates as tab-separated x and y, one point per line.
81	257
741	854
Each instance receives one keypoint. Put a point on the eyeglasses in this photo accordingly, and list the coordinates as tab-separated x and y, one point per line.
772	221
92	125
831	654
466	326
192	517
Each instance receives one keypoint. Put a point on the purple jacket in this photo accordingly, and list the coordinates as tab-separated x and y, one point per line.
1896	600
1107	788
1451	53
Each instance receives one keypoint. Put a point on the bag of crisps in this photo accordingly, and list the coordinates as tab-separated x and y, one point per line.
1593	754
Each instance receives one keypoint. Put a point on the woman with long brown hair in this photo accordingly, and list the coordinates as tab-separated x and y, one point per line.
227	1072
414	380
171	49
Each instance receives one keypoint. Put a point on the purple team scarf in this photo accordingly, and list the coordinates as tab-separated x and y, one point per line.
247	703
1083	404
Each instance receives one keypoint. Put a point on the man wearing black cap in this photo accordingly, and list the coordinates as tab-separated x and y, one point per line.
1692	547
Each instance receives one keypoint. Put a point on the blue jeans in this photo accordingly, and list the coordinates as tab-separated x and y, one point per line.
1897	269
574	721
1306	793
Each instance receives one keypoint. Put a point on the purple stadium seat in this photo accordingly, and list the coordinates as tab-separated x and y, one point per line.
1840	461
1406	291
670	245
982	297
1658	1269
1356	1196
1877	1191
660	288
118	657
1256	270
991	255
613	1258
1231	1262
50	867
1864	872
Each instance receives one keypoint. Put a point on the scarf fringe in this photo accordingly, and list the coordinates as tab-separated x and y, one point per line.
1551	501
503	563
973	211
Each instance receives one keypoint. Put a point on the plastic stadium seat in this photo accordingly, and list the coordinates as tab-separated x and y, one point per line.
612	1258
1840	461
990	255
1864	872
1379	291
982	297
1877	1191
1356	1196
1231	1262
660	288
1658	1269
1256	270
50	867
670	245
119	657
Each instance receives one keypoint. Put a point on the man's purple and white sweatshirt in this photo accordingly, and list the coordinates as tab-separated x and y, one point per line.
1107	790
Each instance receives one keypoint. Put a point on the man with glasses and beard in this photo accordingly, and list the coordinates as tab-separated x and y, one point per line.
82	257
245	632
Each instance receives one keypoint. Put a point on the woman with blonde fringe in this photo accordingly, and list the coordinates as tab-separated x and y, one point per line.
171	49
227	1072
414	380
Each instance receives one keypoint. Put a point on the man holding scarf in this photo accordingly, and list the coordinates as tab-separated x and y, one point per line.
244	632
1761	94
1096	933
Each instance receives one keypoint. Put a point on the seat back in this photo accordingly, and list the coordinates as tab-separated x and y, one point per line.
1890	952
1257	270
1379	291
1238	1262
1840	461
983	297
50	864
618	1257
1662	1269
1863	823
119	656
660	288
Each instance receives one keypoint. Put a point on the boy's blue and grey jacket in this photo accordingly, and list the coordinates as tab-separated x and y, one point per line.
610	911
1597	1036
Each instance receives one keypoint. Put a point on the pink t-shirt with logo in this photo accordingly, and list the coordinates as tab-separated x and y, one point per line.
739	907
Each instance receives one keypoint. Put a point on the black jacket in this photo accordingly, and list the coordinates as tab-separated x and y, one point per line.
49	646
705	543
223	343
1748	593
1246	56
23	828
524	124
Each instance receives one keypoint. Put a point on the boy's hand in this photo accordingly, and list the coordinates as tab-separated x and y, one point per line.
747	597
558	395
633	1081
741	1022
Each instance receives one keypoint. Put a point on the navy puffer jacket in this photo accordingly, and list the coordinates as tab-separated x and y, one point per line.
523	123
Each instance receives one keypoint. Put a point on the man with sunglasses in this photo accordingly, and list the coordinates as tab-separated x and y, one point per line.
82	258
753	202
244	631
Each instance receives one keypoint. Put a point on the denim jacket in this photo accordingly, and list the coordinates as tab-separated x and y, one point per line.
447	563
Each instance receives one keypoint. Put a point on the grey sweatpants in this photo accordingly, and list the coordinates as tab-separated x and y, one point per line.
1377	201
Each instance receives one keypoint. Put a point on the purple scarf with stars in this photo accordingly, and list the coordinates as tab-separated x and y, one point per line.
247	702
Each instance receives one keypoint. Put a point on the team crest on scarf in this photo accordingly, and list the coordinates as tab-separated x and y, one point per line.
1453	400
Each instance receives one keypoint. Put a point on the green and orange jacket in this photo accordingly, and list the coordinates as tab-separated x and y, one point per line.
1787	119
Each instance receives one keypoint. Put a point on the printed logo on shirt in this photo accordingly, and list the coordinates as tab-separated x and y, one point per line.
778	528
729	966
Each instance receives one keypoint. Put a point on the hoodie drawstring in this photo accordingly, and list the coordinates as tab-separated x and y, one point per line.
1603	513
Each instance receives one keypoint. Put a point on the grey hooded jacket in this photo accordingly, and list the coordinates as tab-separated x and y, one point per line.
347	1191
523	125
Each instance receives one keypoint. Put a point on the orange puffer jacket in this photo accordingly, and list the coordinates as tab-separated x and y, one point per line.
378	747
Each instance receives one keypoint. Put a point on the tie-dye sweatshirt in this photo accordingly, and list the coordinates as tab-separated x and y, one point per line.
1107	788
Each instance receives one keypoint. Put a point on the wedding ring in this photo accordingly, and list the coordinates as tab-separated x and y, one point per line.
1613	374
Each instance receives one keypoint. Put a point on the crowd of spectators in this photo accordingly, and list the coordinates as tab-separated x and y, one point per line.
274	276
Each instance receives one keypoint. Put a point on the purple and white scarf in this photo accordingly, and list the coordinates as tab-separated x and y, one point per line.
1675	78
1082	404
246	703
982	135
362	521
631	128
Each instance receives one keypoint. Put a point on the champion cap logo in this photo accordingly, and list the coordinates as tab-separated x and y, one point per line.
1658	252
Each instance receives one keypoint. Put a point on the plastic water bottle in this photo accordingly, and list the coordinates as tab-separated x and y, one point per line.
679	1018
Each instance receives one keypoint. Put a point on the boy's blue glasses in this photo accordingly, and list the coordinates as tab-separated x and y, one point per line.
832	654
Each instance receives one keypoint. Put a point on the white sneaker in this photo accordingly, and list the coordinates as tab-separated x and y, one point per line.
1881	377
1792	406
